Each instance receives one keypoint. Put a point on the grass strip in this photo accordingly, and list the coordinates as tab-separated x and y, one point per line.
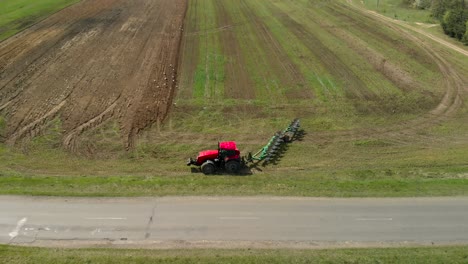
24	255
276	184
16	15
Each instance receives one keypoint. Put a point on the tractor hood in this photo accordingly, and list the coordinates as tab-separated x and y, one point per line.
206	155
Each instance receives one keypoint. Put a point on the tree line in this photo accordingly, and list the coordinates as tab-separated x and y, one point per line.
452	14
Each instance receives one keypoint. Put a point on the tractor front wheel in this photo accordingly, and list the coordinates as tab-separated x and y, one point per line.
233	166
208	168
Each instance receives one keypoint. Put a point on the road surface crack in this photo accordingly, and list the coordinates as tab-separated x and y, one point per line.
150	222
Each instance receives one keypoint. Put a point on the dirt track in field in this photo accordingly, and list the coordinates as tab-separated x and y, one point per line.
90	63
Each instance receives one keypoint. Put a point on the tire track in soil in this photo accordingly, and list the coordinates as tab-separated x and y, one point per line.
46	97
34	127
407	26
45	74
25	50
97	118
52	55
36	108
69	140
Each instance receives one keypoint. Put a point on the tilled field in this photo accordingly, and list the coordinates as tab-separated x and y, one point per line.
305	55
90	63
242	64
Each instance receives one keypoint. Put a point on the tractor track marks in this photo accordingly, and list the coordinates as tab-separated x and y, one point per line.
454	86
29	47
89	63
34	128
69	140
407	26
408	132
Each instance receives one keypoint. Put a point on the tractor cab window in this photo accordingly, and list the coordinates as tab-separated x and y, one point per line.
226	153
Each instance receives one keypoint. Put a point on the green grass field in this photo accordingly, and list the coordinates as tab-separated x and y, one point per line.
24	255
247	69
376	169
17	15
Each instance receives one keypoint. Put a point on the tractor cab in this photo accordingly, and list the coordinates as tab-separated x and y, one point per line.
228	151
226	157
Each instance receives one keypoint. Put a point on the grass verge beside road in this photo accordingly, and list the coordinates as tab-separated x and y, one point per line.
359	184
23	255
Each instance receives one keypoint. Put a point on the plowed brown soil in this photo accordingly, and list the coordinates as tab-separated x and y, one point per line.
92	62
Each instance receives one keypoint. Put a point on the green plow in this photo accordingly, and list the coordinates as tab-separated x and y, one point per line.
272	148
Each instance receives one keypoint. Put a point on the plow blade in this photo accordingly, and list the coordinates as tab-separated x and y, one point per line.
272	148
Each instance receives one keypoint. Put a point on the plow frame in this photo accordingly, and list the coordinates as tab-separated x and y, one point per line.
270	150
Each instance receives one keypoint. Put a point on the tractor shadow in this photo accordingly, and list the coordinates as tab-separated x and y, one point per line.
299	136
244	171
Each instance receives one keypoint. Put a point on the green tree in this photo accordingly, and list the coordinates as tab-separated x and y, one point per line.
465	37
440	7
454	23
453	16
422	4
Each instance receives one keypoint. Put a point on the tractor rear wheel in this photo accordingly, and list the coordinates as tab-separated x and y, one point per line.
208	168
232	166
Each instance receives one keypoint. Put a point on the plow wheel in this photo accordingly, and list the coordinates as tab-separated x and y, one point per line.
233	166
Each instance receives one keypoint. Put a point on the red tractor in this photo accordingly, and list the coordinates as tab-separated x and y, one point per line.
226	157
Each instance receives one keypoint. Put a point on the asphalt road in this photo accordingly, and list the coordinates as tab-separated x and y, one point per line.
232	222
